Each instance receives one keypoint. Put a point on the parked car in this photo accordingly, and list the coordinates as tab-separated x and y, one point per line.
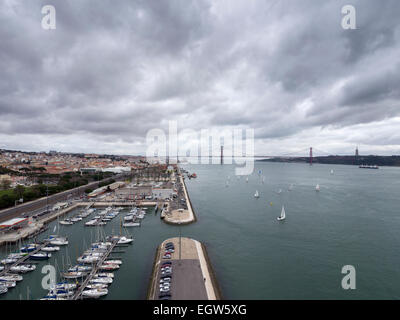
168	272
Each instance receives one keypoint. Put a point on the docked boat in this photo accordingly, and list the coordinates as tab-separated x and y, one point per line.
8	284
317	188
17	255
88	259
11	277
60	293
1	268
91	223
57	241
109	267
283	214
131	224
76	219
29	248
9	261
97	286
115	261
66	286
104	275
50	249
40	256
129	217
73	275
23	268
125	240
102	280
95	293
80	268
66	222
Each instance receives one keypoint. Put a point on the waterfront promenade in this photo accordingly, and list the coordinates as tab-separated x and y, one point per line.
181	216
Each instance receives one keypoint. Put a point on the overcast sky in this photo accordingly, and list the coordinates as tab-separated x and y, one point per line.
112	70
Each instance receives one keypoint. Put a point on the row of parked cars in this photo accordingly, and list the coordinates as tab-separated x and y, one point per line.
166	273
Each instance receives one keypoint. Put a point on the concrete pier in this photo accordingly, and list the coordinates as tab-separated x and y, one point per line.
182	216
192	276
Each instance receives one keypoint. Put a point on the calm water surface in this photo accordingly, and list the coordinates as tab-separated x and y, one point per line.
353	220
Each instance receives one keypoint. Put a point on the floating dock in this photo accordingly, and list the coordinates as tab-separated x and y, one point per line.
78	293
23	259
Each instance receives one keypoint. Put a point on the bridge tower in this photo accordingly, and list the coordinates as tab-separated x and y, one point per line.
310	156
222	154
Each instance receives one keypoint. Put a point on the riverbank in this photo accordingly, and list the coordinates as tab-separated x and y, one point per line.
182	216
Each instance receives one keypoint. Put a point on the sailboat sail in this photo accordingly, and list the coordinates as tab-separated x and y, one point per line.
283	214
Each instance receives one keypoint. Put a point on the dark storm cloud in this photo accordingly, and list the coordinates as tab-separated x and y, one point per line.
112	70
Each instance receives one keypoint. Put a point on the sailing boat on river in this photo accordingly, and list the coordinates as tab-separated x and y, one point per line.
283	214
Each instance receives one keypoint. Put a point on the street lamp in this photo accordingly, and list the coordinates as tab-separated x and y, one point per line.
20	201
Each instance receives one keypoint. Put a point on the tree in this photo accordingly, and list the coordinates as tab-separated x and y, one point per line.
5	184
19	191
6	201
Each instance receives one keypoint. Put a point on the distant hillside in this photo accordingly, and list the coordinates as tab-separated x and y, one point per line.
350	160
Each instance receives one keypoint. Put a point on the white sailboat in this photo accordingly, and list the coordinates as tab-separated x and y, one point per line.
291	187
279	191
283	214
331	171
256	195
247	179
263	179
317	188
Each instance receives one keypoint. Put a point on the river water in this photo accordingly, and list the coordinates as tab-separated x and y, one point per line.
353	220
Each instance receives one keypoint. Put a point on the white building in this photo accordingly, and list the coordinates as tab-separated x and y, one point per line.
117	169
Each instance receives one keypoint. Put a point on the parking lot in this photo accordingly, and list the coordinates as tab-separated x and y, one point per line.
185	276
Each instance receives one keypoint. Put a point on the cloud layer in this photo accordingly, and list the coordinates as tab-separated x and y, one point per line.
112	70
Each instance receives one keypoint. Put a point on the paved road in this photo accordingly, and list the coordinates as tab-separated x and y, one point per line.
53	199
